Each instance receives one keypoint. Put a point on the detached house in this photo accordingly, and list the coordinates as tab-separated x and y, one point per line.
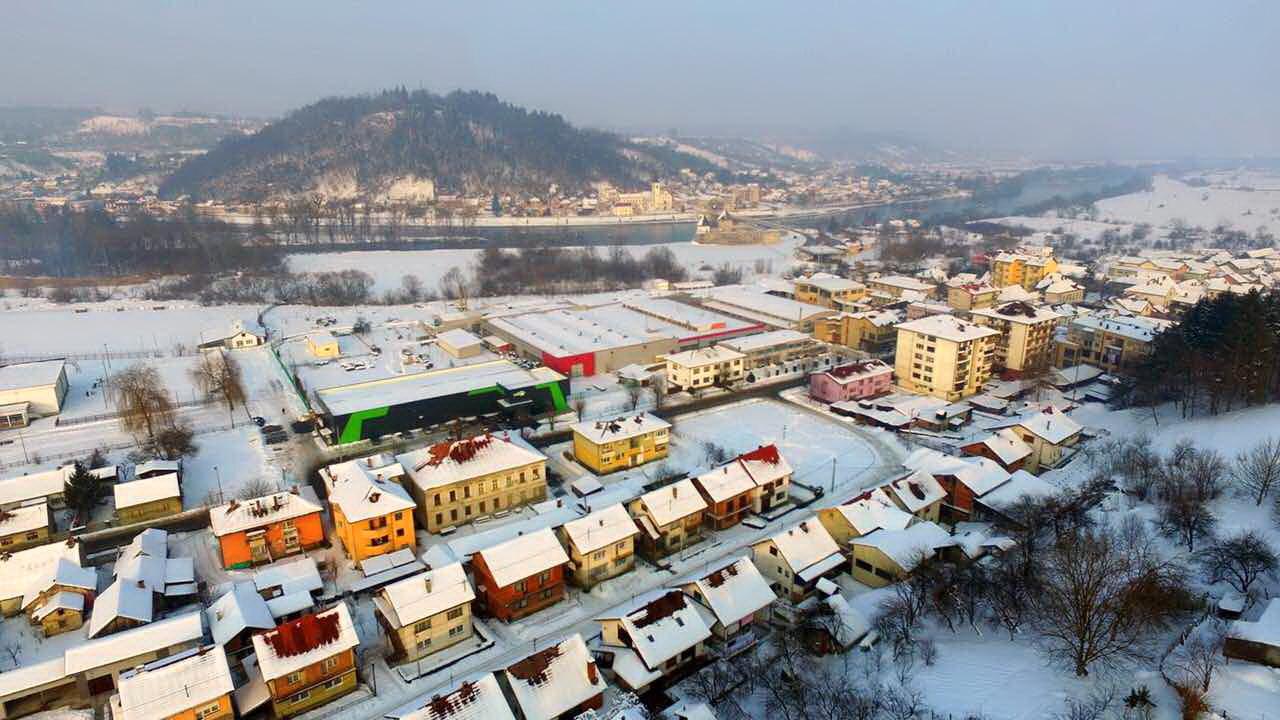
24	527
561	681
258	531
57	599
964	479
426	613
147	498
733	598
520	576
308	662
609	445
795	559
195	684
886	556
727	490
918	493
854	381
462	481
236	617
372	513
478	697
771	474
670	518
863	514
1049	434
601	545
1004	447
662	633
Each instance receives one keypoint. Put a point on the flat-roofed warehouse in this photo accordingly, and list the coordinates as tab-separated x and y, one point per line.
31	390
755	305
603	339
382	406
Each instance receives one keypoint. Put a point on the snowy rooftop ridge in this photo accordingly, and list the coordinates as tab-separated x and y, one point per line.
240	515
448	462
188	680
305	641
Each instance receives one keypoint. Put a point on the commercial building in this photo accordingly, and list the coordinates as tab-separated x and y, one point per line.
426	613
601	545
1026	334
461	481
703	368
760	307
776	347
372	512
604	446
31	390
402	403
1024	269
944	356
308	662
261	530
828	290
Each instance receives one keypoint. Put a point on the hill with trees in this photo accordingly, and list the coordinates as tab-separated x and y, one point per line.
465	142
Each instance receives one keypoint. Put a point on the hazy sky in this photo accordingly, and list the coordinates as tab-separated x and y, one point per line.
1115	78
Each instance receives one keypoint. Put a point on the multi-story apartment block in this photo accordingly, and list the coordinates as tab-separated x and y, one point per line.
1115	343
604	446
944	356
1023	269
461	481
1026	334
971	295
871	331
828	290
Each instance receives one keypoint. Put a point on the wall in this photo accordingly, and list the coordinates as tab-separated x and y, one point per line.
235	546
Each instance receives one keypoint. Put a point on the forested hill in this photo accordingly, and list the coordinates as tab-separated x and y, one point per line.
466	142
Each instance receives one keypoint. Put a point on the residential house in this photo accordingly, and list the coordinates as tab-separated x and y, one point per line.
658	635
965	480
20	571
903	411
24	527
461	481
604	446
97	665
426	613
772	475
854	381
236	617
58	597
195	684
478	697
863	514
918	493
1003	446
1026	334
885	556
601	545
520	576
733	599
703	368
775	348
944	356
290	588
239	338
1115	343
670	518
372	513
1057	289
795	559
727	491
560	681
48	486
901	287
308	662
828	290
261	530
148	498
871	331
146	579
1049	433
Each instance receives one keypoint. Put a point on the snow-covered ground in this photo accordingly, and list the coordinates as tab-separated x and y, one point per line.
1207	207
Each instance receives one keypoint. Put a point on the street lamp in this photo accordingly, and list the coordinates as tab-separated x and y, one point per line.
221	496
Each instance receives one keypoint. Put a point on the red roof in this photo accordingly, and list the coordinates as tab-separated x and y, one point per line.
304	634
764	453
459	451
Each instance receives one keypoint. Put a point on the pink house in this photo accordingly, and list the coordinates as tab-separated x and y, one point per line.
854	381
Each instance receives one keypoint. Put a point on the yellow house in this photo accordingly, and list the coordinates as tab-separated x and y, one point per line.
372	513
1059	290
604	446
426	613
944	356
61	612
971	295
148	498
886	556
828	290
704	367
863	514
201	675
899	286
462	481
1115	343
1026	334
919	493
1021	269
323	345
601	545
1049	433
24	527
794	560
871	331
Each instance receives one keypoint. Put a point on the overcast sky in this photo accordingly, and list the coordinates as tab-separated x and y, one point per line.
1121	79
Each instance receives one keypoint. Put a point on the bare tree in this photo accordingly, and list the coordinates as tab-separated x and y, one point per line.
142	399
412	288
454	286
1199	658
172	442
255	488
658	386
1239	560
1187	518
580	407
1101	599
1258	469
218	376
634	394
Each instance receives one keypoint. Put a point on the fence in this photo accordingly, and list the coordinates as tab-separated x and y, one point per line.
111	355
85	419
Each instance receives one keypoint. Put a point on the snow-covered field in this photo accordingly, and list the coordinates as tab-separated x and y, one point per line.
1206	207
388	266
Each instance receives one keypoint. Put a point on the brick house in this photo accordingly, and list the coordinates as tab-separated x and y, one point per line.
257	531
520	576
308	662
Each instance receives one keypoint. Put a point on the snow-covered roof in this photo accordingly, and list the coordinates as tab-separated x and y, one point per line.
305	641
121	599
829	282
290	603
1006	446
948	327
523	556
1142	329
873	511
917	490
61	600
426	594
851	623
1265	630
157	466
18	490
704	356
766	340
30	374
725	482
600	529
979	474
27	677
1021	484
734	591
1018	312
436	383
1051	426
458	338
549	682
623	428
903	282
240	515
661	625
24	519
363	488
907	547
673	502
18	570
184	628
765	464
476	698
807	548
239	609
146	558
190	679
857	371
64	571
453	461
975	539
145	490
299	575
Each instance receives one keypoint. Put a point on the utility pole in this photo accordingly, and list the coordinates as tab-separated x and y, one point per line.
833	476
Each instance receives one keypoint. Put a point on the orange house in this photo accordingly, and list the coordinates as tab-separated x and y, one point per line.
308	662
261	530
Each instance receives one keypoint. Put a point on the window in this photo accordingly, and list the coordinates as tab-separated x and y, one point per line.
453	514
598	555
378	523
546	594
439	518
209	710
379	541
544	577
422	625
457	630
773	550
293	678
453	496
863	565
329	664
483	506
466	491
399	516
520	586
437	499
424	643
399	532
332	683
455	613
467	511
33	535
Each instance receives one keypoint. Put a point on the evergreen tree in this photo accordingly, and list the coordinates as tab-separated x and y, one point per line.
84	490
